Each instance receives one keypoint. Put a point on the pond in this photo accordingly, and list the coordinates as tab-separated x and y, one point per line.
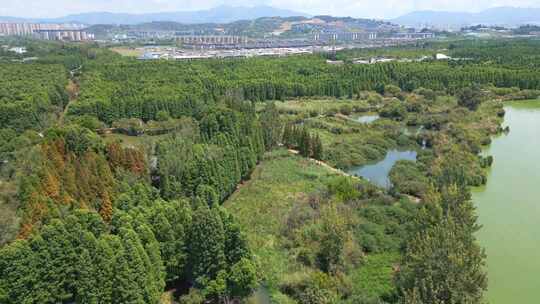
366	118
377	173
509	209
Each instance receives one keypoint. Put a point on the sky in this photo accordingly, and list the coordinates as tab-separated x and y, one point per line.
381	9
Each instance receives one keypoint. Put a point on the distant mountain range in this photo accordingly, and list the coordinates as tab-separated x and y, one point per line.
285	27
220	14
507	16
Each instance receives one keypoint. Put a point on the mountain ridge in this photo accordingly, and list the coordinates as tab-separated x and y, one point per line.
219	14
504	15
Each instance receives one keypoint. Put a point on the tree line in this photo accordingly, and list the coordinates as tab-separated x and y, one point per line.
308	144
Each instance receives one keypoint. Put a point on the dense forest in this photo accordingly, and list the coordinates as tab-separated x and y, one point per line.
124	88
122	181
28	94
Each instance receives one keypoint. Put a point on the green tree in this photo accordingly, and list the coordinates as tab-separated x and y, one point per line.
271	126
104	262
206	245
236	246
128	269
332	240
242	279
163	116
18	266
208	195
317	148
305	143
443	262
471	97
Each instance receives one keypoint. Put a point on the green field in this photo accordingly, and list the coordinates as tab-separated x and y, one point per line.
133	141
376	274
320	106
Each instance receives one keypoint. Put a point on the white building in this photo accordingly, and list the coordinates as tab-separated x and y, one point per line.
18	50
442	57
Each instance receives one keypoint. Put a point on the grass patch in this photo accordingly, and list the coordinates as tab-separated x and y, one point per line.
167	298
524	104
132	141
261	206
375	277
320	106
282	209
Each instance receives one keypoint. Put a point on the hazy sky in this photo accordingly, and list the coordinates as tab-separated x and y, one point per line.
354	8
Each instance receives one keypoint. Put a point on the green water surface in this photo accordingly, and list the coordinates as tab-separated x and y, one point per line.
509	209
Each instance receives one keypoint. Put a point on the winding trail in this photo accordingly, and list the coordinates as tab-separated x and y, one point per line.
73	90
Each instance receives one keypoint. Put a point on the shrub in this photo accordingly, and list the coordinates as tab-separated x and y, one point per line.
345	110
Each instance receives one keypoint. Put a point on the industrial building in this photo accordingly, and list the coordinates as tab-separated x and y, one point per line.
344	36
63	35
212	40
422	35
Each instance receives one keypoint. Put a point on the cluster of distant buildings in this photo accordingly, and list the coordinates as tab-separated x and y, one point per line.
212	39
46	31
316	36
349	36
169	53
415	35
380	59
344	36
16	49
375	60
173	53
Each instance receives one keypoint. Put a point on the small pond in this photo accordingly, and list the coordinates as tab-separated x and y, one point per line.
377	173
366	118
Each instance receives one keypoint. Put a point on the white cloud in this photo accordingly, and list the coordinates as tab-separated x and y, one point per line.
355	8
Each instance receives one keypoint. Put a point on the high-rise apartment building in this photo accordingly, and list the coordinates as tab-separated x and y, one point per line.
46	31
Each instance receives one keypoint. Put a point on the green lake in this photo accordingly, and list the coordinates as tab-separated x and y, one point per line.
377	173
509	209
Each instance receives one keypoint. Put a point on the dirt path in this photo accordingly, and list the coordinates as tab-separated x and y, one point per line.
323	164
72	89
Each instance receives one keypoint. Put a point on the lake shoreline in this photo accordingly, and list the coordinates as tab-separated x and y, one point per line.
506	207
